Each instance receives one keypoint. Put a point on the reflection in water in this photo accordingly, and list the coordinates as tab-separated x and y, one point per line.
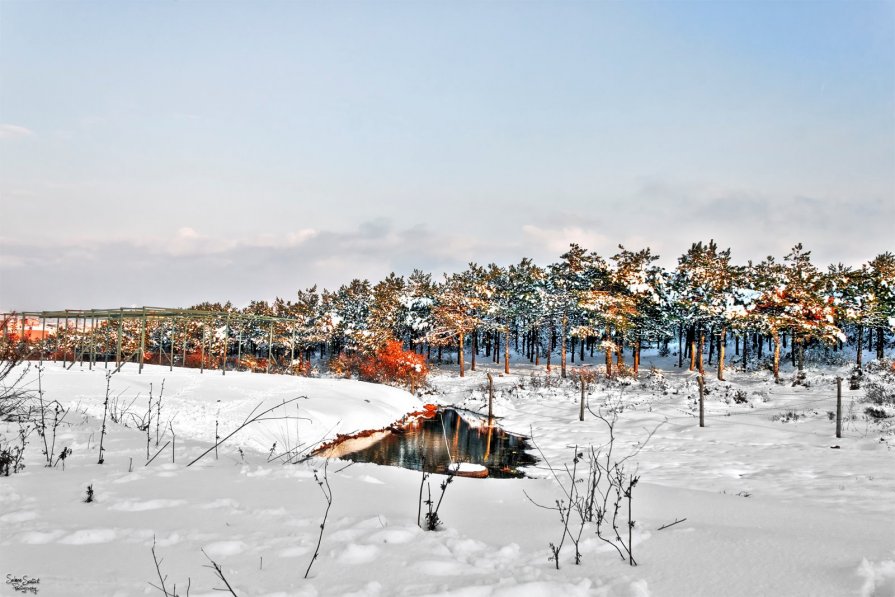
428	440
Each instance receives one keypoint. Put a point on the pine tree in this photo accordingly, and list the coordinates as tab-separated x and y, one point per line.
386	313
705	281
881	271
455	314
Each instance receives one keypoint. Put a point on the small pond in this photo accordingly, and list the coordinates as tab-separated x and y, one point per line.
424	445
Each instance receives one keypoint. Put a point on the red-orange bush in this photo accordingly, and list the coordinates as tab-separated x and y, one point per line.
391	364
194	360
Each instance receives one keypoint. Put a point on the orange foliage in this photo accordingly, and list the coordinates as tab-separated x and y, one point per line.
390	364
194	360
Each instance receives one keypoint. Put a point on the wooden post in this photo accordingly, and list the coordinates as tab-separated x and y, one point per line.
292	350
92	339
173	336
106	344
118	349
56	343
269	348
43	339
64	354
226	347
581	409
142	341
239	348
211	342
81	341
490	398
185	334
701	401
202	350
838	407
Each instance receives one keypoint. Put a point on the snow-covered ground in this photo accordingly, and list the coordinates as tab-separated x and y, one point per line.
771	506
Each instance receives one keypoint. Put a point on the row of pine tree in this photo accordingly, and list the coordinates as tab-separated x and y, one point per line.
587	302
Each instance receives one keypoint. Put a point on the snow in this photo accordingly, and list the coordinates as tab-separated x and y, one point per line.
771	507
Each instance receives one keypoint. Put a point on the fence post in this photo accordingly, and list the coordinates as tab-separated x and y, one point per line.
701	400
118	347
838	407
142	340
269	348
581	409
490	397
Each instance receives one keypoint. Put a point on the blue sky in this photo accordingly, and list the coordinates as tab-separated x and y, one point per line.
172	152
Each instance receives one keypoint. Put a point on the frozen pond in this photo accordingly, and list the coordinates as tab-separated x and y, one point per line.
432	444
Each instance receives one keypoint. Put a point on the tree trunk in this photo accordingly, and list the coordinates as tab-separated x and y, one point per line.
637	355
537	347
722	345
506	354
699	350
860	344
460	356
562	344
475	348
800	345
880	343
692	337
711	345
776	338
680	346
745	352
608	349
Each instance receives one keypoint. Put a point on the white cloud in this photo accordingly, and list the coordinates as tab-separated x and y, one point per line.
9	131
556	241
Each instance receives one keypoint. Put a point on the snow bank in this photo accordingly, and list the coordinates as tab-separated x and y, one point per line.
193	401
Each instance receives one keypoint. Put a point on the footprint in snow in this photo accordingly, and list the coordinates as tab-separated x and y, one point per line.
441	568
41	538
220	503
395	536
294	552
19	516
358	554
225	548
142	506
89	537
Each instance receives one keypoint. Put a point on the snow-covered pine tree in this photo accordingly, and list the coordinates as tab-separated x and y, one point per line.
705	281
810	308
643	283
527	310
386	313
455	314
417	301
882	285
791	297
566	280
349	308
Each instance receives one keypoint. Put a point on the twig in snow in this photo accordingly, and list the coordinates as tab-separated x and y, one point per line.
220	574
665	526
251	418
328	496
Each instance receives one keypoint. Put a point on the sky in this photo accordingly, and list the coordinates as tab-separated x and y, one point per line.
167	153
